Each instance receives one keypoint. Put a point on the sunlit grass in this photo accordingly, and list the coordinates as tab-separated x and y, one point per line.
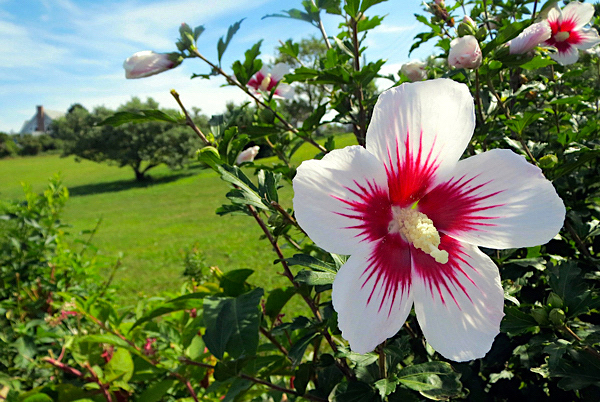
152	224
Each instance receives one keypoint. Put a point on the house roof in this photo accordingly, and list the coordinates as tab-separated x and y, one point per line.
29	126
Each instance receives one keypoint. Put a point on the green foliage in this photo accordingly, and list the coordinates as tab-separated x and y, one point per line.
221	336
8	147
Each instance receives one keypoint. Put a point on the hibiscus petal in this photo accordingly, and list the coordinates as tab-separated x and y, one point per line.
342	200
496	199
565	56
435	117
586	39
279	70
371	294
460	321
577	14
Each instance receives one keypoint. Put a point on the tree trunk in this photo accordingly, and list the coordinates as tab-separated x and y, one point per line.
139	175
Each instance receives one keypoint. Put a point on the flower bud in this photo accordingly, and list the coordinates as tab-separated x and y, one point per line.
414	70
247	155
465	29
147	63
548	161
465	53
554	300
540	315
557	317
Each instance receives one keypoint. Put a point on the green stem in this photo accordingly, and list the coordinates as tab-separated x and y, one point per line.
236	83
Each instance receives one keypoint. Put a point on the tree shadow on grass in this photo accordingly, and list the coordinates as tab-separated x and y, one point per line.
124	185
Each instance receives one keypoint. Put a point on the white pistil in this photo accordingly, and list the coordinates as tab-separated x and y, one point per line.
561	36
418	230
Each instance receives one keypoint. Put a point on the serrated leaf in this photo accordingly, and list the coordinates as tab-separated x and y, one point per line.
222	44
516	322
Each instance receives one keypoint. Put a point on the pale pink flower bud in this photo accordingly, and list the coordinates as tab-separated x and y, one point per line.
531	37
465	52
146	63
247	155
469	20
414	70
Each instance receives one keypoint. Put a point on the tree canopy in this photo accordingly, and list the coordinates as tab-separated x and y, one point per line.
141	146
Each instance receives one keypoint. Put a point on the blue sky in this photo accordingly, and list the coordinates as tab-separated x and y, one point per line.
60	52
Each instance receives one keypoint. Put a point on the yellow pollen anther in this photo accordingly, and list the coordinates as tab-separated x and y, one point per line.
418	230
561	36
264	85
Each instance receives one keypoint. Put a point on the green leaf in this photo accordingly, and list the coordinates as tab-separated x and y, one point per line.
566	281
537	62
237	388
104	338
41	397
311	262
583	157
366	4
185	302
569	100
296	353
516	322
156	391
290	48
144	116
351	8
222	44
268	183
249	192
358	391
386	386
229	369
520	123
232	324
312	121
435	380
234	282
119	367
198	31
313	278
277	299
243	72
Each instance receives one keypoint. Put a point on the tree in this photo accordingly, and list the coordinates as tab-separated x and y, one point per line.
7	146
308	96
141	146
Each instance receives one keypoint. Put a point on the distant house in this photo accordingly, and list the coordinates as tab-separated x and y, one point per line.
40	122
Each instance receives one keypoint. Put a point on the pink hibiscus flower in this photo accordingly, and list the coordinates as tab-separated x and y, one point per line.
267	79
568	34
411	216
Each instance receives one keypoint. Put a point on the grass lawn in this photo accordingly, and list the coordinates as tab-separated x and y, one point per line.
152	223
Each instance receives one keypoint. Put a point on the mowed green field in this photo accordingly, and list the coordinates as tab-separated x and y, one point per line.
153	223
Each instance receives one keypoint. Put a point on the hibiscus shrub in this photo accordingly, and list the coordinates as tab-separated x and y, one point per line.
472	196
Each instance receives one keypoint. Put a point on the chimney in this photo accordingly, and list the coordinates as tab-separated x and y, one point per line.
40	119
